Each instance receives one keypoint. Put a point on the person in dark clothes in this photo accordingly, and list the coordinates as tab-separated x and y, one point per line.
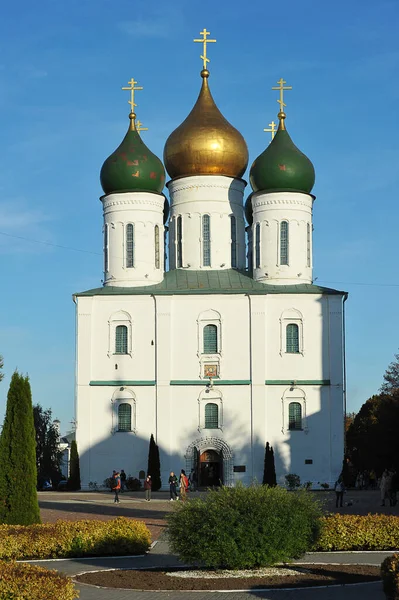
116	486
147	487
123	481
172	486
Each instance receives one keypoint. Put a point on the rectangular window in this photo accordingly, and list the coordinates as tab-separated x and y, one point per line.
211	416
294	416
206	241
210	339
292	335
233	225
284	243
121	339
308	245
129	246
179	244
257	246
105	248
124	417
156	244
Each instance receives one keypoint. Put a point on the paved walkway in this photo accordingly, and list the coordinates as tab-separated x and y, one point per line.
160	556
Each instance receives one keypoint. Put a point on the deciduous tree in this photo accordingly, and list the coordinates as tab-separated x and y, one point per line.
391	377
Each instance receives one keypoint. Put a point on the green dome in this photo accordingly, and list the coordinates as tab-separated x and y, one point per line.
282	166
132	167
249	213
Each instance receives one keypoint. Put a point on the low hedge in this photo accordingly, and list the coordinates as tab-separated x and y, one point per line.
355	532
20	581
74	538
243	528
390	577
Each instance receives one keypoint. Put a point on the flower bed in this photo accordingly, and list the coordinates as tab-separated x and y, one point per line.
25	582
354	532
74	538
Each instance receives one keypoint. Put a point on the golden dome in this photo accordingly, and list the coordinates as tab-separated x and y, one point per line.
205	143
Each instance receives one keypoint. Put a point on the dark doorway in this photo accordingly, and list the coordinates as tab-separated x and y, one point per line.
211	469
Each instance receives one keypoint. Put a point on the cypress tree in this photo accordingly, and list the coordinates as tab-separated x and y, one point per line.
266	465
154	465
273	478
74	468
269	470
18	475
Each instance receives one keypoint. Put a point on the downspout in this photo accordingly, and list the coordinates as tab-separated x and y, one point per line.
344	299
251	386
156	365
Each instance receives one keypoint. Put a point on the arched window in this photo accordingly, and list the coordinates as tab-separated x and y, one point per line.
233	226
210	339
257	246
121	339
156	245
294	415
211	416
129	246
124	417
292	341
179	244
284	243
105	248
308	244
206	241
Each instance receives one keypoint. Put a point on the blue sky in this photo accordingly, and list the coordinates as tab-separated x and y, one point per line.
62	112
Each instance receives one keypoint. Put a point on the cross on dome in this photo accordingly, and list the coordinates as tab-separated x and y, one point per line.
273	129
281	89
132	88
204	41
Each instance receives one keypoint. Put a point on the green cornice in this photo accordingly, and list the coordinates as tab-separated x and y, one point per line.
122	382
297	382
216	382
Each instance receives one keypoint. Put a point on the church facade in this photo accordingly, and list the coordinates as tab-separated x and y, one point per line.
233	345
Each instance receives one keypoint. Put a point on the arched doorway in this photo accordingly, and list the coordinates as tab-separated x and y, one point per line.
210	469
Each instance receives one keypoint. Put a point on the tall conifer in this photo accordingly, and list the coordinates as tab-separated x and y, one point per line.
18	476
154	465
74	468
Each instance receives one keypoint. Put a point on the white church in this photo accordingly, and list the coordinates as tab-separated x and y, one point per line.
209	332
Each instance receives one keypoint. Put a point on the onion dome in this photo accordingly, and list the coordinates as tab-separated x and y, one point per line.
205	143
165	211
132	167
282	166
248	210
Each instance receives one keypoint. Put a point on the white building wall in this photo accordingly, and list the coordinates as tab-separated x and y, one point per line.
270	209
164	374
219	197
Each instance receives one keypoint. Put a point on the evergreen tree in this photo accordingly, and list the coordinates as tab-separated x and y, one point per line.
391	377
269	470
19	505
1	366
74	468
48	454
154	465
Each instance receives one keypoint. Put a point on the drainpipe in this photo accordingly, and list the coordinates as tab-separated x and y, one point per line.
251	386
156	365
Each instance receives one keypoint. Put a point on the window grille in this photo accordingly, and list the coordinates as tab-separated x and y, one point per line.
211	416
121	339
105	248
206	241
129	246
257	246
308	245
233	225
124	417
156	244
179	244
210	339
294	415
284	243
292	334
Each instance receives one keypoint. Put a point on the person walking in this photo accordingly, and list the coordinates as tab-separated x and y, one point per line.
172	486
148	487
385	486
192	480
339	492
123	481
183	485
116	485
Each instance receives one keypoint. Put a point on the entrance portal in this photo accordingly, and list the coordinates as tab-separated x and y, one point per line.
210	469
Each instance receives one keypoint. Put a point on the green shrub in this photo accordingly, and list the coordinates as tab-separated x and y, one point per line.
133	484
25	582
74	538
244	527
390	577
292	481
355	532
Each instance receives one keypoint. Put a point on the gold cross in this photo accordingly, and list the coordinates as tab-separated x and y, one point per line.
139	127
273	129
281	88
204	41
132	89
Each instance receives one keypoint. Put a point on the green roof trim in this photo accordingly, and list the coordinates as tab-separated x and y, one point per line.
206	382
298	382
228	281
120	382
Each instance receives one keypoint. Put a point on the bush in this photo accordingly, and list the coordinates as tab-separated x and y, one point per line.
133	484
390	577
244	527
292	481
354	532
26	582
74	538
